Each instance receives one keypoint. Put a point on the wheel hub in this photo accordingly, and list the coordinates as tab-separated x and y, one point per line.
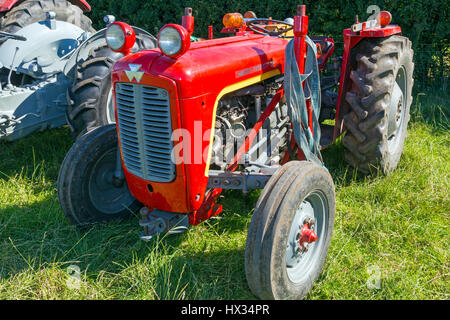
306	236
105	195
397	111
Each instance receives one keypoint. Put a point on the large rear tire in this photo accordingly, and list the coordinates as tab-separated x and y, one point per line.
379	100
86	189
31	11
90	97
274	267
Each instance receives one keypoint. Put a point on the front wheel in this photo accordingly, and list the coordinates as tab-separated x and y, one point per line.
279	262
86	187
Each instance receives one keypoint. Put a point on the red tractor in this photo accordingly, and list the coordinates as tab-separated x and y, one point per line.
249	111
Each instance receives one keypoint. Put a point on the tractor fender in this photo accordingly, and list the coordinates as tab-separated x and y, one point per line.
82	4
6	5
93	42
46	50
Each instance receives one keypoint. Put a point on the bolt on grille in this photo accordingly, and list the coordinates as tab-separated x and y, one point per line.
145	130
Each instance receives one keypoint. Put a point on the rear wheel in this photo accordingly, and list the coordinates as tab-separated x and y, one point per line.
86	189
31	11
379	100
277	267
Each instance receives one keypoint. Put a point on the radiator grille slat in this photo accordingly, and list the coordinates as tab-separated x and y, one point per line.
145	127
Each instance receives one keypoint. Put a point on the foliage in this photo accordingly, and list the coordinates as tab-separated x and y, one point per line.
425	22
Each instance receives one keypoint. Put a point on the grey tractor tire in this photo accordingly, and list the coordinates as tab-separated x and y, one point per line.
31	11
376	65
265	264
83	185
88	95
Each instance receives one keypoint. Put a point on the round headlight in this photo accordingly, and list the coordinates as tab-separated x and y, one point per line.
173	40
115	37
120	37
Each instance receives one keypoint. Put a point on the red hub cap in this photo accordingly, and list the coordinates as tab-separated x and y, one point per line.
307	235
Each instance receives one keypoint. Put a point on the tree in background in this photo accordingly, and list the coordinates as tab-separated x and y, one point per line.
425	22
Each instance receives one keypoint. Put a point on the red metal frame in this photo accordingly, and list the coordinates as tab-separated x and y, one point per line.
254	132
82	4
6	5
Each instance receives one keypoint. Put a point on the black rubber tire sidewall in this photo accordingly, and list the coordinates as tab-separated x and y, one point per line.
267	218
262	215
274	248
88	96
75	173
394	158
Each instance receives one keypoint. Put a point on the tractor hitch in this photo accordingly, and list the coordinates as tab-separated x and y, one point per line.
157	221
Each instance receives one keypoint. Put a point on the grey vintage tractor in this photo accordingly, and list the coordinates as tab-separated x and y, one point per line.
55	69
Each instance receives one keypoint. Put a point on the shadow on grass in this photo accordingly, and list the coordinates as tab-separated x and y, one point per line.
37	238
25	156
35	235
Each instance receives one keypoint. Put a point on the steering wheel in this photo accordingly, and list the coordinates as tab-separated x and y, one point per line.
256	26
12	36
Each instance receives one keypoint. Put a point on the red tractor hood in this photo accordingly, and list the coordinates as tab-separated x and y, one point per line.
196	81
212	65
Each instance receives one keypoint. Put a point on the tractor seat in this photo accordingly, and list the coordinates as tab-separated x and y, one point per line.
325	48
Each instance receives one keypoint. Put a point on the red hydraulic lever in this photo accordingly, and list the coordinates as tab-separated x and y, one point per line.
300	32
210	33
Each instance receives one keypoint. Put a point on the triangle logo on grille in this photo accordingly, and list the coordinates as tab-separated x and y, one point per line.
134	72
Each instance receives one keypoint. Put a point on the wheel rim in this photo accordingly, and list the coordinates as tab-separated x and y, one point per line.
397	113
110	115
299	265
104	196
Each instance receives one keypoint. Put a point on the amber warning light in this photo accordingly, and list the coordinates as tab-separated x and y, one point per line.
384	18
233	20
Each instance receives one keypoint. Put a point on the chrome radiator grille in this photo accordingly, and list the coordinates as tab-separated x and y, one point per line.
145	129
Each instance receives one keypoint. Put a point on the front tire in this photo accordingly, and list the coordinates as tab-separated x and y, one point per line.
273	268
379	100
85	183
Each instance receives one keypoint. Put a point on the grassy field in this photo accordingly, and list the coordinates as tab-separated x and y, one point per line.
391	237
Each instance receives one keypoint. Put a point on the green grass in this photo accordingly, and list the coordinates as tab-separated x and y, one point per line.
396	227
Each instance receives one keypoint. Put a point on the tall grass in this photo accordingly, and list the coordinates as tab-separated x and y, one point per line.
395	229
